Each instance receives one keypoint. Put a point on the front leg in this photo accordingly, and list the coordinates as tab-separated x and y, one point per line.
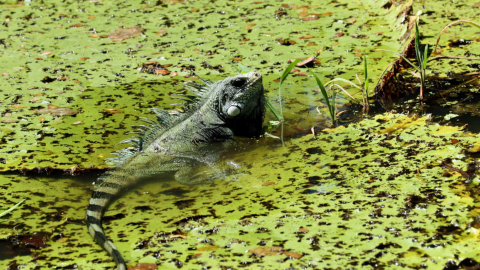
201	173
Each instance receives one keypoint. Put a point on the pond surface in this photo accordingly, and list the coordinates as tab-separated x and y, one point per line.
396	190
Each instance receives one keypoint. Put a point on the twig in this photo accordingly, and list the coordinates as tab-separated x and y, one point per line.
451	57
453	23
463	173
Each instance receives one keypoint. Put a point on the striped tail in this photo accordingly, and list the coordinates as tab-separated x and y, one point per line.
104	192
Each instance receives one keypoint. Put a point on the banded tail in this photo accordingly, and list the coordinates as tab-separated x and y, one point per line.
105	191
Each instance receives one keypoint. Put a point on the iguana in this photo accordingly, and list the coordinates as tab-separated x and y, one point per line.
181	143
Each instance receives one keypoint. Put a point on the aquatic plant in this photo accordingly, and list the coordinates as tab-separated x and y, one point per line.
421	58
362	86
10	210
330	104
282	78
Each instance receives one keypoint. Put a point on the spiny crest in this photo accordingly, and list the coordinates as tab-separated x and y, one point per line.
164	120
198	91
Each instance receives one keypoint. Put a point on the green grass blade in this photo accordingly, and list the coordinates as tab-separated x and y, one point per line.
343	80
11	208
324	94
282	78
332	109
244	69
418	53
425	57
365	70
236	68
287	71
270	107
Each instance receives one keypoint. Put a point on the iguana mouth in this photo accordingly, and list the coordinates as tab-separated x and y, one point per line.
256	76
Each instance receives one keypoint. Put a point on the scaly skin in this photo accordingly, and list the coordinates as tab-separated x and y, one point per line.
181	144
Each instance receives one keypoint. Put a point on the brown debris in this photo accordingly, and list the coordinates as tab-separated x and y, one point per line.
161	32
272	251
143	266
178	236
125	33
307	62
310	18
154	68
77	25
339	34
306	37
114	110
57	111
304	230
268	184
9	121
286	41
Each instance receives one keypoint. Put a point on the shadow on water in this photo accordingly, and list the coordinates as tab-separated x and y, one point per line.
451	101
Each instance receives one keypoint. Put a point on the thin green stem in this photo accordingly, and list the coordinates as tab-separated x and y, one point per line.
11	208
282	78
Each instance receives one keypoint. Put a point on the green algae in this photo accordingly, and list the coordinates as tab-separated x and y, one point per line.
373	193
60	55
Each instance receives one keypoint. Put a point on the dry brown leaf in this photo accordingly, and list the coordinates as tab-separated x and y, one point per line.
266	251
268	184
162	71
8	121
57	111
143	266
306	37
161	32
305	62
178	236
339	34
294	255
310	18
114	110
303	12
77	25
125	33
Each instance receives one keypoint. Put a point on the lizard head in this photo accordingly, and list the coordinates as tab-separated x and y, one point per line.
242	103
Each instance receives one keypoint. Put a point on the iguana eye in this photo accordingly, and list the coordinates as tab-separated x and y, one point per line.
238	82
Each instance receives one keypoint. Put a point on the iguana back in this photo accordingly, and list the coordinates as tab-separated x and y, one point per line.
180	143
